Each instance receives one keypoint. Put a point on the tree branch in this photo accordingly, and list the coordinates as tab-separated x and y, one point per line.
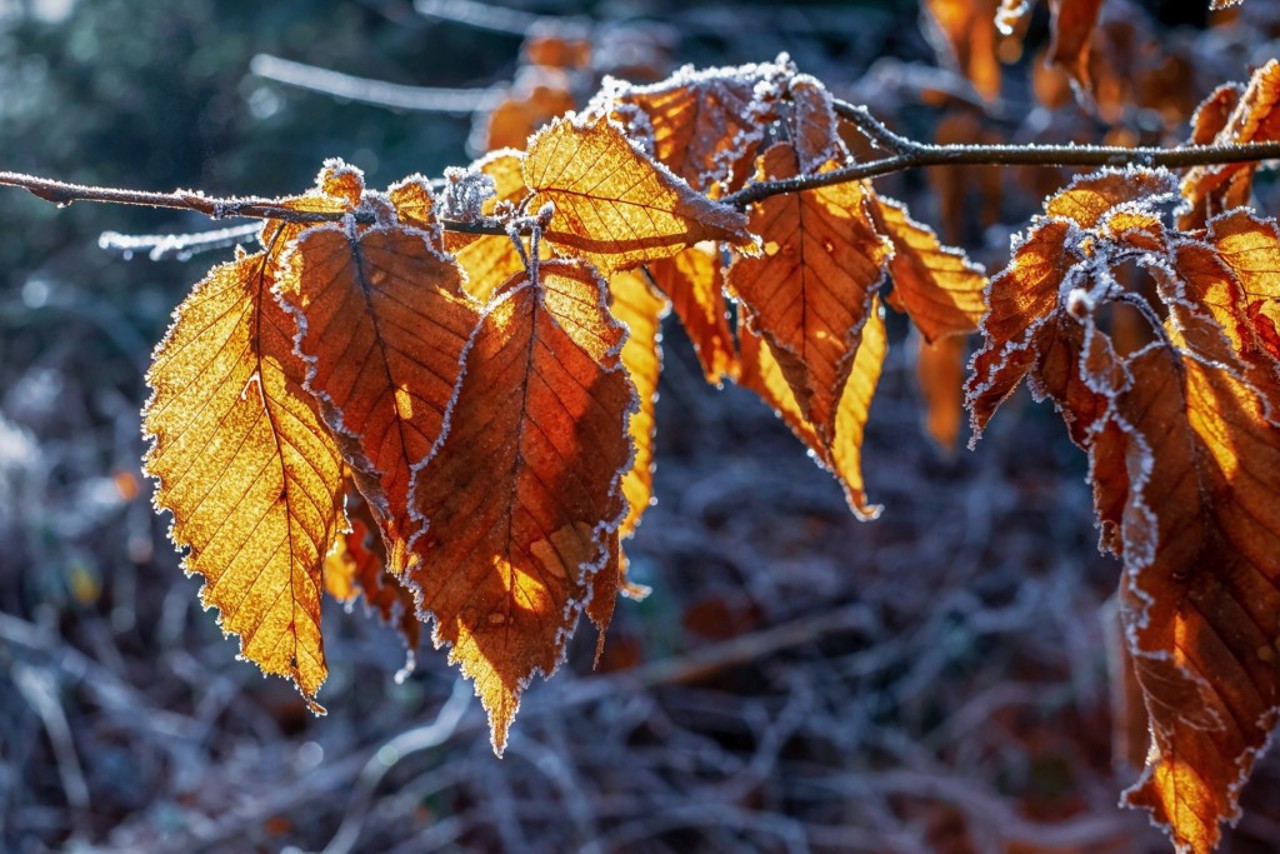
63	194
909	154
905	154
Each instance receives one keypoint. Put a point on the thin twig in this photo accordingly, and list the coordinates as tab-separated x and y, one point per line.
514	22
462	102
63	194
182	246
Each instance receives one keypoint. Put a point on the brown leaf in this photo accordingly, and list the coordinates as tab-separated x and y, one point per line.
246	467
640	309
520	499
1255	117
1024	295
842	455
532	102
704	124
968	30
1202	584
940	373
693	282
812	124
936	285
1072	28
357	567
613	205
809	293
1185	463
382	322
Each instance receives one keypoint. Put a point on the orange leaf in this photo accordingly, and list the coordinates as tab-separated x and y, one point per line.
246	467
522	495
1255	117
692	280
811	123
357	567
1024	295
634	302
1072	28
489	260
614	205
703	124
382	322
1202	583
1185	463
534	100
936	285
940	373
968	31
842	456
809	293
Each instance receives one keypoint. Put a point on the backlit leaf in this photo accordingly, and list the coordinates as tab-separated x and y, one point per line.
490	260
246	467
357	567
936	285
1202	582
842	455
694	283
613	204
1255	117
521	498
382	322
704	124
634	302
1072	28
940	373
810	291
968	32
1185	464
812	124
1044	266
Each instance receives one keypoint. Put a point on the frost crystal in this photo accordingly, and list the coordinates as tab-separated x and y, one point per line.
465	191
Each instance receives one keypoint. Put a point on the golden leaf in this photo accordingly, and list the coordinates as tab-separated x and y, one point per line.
842	455
246	467
357	567
1254	117
634	302
693	282
613	205
968	30
705	124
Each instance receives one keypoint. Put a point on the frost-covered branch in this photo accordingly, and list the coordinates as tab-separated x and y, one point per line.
906	154
181	246
380	93
62	194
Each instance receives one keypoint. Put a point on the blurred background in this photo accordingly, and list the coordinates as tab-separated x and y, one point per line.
936	680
